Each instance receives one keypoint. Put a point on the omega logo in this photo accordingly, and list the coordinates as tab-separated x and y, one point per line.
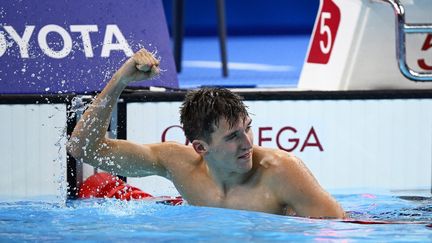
286	138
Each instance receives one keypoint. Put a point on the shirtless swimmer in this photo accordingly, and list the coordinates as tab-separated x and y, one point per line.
222	168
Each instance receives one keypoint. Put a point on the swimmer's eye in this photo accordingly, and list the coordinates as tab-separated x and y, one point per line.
231	137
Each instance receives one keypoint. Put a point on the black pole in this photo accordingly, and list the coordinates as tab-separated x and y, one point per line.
121	125
71	164
222	35
177	29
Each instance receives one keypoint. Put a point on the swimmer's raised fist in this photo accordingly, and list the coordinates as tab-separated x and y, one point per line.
141	66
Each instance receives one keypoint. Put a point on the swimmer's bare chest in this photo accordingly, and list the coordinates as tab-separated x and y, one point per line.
201	191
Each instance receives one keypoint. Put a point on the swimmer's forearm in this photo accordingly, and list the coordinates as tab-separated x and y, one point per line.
326	208
89	133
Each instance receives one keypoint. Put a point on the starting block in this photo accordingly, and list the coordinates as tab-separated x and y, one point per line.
370	44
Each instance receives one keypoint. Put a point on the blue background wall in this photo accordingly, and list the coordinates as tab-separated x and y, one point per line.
248	17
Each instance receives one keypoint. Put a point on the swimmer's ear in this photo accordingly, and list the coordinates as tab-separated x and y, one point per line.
200	146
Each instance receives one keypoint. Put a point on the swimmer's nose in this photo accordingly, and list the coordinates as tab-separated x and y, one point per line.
247	141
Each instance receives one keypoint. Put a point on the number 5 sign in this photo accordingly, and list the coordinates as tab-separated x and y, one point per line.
325	33
353	47
426	46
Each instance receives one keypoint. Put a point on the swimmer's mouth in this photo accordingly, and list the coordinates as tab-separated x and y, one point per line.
246	155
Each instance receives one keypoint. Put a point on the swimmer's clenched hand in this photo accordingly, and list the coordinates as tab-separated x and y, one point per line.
141	66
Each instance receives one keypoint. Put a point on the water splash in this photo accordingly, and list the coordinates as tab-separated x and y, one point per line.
60	161
78	105
120	208
61	180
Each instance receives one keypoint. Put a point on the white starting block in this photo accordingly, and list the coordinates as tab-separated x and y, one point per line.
360	44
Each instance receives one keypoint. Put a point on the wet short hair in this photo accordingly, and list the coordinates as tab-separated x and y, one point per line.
203	108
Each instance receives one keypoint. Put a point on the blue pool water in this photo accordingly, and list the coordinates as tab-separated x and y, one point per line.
113	220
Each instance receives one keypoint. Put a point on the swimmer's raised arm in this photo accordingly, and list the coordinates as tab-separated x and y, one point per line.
88	142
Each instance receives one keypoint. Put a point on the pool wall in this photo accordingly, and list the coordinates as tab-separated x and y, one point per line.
349	139
33	159
348	142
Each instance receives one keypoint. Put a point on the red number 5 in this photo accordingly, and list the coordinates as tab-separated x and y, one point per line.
325	29
426	45
325	33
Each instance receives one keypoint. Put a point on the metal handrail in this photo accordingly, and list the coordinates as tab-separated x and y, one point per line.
403	28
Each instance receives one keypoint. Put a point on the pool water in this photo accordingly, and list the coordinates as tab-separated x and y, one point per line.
114	220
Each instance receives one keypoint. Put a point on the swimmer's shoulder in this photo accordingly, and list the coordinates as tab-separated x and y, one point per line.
271	158
281	170
280	167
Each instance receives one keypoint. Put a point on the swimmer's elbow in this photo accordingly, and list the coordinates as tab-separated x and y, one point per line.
335	209
333	212
76	152
80	154
329	209
73	149
79	150
341	214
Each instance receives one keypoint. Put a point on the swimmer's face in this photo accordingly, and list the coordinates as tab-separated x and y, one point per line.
231	148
